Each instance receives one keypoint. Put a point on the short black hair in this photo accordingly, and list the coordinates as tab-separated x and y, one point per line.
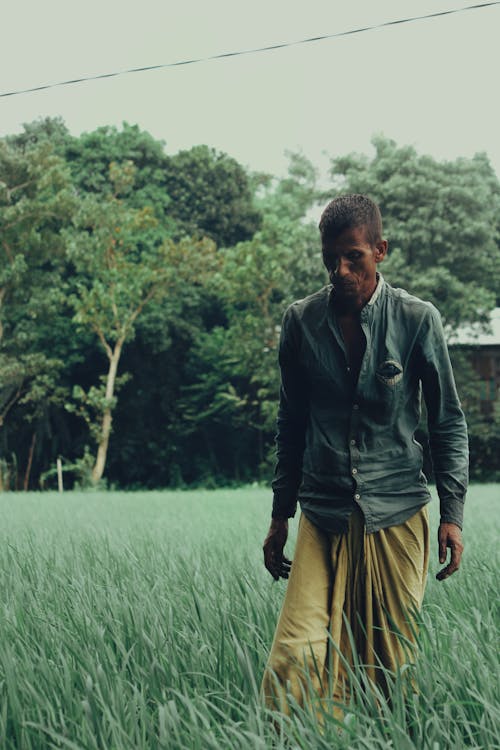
347	212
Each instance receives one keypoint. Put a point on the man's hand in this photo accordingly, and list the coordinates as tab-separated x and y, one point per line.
449	535
274	560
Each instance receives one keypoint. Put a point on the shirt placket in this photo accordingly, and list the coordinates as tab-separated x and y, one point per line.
355	457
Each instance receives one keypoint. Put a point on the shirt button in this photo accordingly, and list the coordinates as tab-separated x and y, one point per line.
353	442
355	407
354	471
357	497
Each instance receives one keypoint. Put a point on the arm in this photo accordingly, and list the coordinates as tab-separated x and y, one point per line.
291	421
290	438
447	438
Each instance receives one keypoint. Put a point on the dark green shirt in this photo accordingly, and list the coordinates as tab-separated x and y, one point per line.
342	444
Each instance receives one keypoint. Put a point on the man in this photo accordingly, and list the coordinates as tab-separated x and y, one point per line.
354	359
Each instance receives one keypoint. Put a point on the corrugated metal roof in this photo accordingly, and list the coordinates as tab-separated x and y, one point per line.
472	335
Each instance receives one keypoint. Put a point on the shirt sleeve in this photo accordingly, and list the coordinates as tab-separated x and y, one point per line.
291	421
446	421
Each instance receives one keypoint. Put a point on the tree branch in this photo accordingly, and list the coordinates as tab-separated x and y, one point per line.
149	296
10	404
19	187
8	251
102	339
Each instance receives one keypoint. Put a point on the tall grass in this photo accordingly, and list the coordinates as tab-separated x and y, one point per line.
144	620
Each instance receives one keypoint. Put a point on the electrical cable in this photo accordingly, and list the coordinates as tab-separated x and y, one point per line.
252	51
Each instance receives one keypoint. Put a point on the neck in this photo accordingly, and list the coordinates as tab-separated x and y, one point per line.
346	308
352	306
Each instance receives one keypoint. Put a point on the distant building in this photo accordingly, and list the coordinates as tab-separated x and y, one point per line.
484	353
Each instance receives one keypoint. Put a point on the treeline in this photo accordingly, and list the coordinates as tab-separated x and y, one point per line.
141	296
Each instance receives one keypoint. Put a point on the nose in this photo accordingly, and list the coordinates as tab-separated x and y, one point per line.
341	268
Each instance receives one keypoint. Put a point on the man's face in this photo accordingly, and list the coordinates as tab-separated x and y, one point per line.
351	263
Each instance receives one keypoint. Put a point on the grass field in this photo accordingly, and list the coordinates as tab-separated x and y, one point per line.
143	620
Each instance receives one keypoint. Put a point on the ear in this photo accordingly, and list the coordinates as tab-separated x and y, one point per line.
381	251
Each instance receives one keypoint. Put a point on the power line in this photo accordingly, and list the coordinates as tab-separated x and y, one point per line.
252	51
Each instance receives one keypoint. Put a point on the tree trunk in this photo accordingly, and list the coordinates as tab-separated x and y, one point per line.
30	461
102	448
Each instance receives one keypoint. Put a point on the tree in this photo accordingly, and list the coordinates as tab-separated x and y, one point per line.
198	192
90	155
229	406
442	218
44	130
166	327
36	199
117	273
211	195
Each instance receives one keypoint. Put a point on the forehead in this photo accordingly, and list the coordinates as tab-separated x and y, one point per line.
353	237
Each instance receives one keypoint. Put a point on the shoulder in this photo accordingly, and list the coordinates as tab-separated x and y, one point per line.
418	320
410	306
310	308
304	316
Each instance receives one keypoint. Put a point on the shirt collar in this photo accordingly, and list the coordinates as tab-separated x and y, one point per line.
378	289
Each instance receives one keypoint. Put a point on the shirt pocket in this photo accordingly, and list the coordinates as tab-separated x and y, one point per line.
389	372
384	391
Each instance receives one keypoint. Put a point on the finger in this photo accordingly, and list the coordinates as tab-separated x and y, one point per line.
454	564
286	560
442	548
274	571
456	554
447	572
279	568
442	574
270	562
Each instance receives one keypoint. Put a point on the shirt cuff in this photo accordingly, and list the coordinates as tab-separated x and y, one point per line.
452	511
283	506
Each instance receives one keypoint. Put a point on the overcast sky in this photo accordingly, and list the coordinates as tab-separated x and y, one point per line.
432	83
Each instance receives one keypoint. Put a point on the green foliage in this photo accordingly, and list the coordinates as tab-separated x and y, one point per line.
443	217
91	155
8	470
211	195
114	275
110	277
36	200
79	471
90	405
459	302
50	130
484	430
195	192
118	273
233	367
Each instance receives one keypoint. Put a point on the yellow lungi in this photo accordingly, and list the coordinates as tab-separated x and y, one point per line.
376	580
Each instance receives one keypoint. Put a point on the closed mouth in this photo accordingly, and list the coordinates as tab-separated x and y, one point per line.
342	287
